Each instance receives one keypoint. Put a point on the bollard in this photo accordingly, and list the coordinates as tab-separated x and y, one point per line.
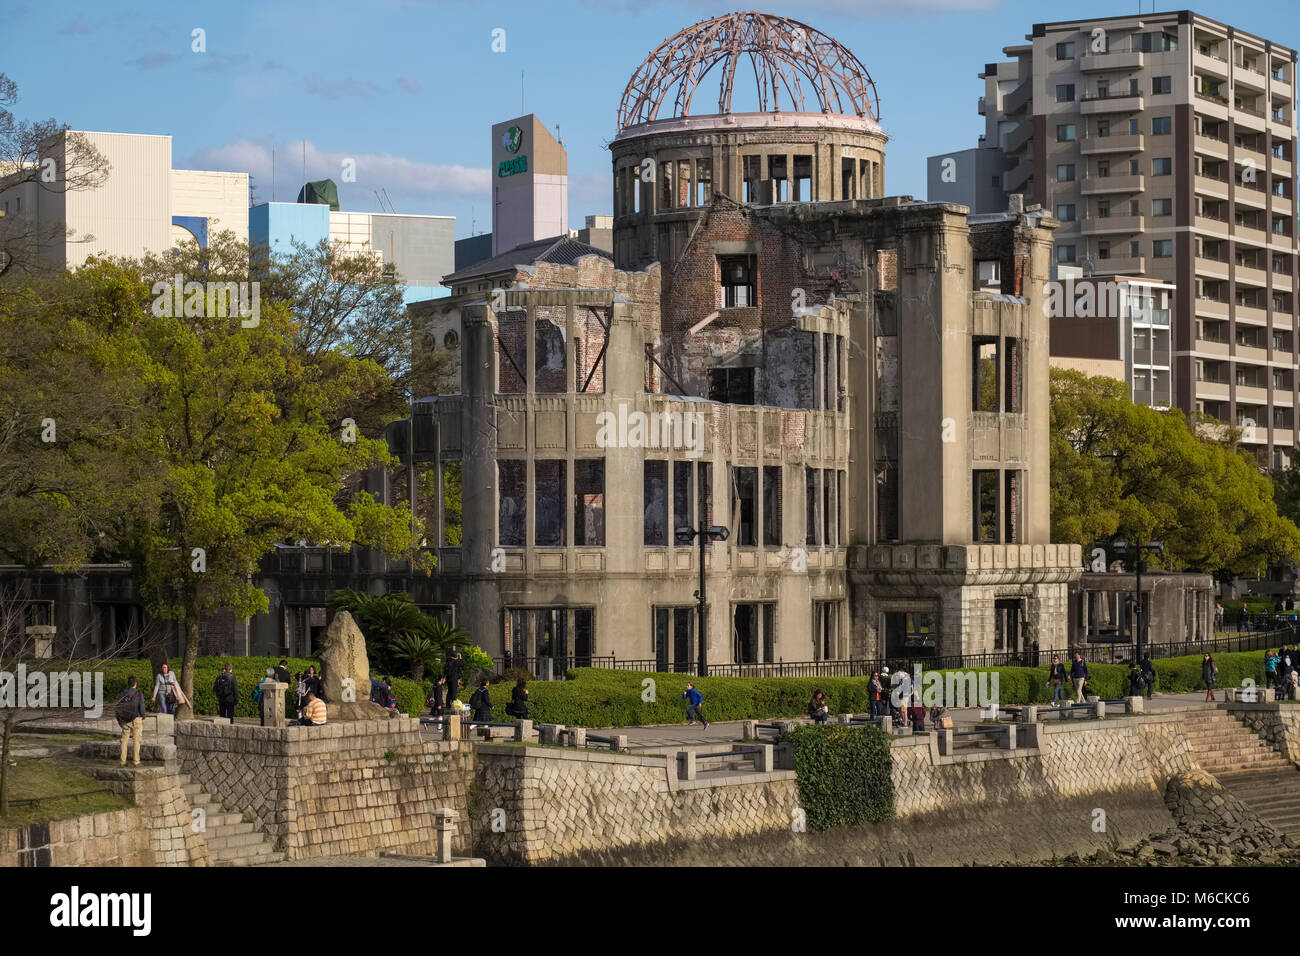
764	759
686	765
1133	705
618	742
887	724
445	828
523	730
1098	707
1010	739
945	743
843	718
1029	715
1230	694
451	727
549	734
577	736
273	703
749	729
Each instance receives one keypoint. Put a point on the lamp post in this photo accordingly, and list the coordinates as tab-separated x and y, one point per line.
705	534
1151	547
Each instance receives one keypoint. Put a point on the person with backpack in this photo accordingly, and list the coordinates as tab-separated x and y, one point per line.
480	702
1137	681
518	706
167	693
435	699
226	689
130	717
1209	672
694	701
1271	661
1056	678
1149	673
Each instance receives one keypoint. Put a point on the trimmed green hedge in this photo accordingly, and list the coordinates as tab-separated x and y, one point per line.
843	774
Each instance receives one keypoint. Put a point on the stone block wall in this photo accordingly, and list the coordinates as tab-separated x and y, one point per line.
553	806
351	788
114	838
166	812
1278	725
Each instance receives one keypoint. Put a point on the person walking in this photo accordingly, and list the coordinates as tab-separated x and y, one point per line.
1149	672
435	701
226	689
167	691
1079	675
452	671
130	717
1209	672
1056	677
1271	661
817	708
480	702
694	700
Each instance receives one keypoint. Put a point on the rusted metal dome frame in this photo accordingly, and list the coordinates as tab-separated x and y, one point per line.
783	53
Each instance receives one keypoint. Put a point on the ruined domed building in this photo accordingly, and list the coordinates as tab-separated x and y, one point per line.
853	386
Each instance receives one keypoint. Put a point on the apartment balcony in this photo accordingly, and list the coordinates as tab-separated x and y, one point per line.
1282	206
1212	225
1214	391
1208	186
1279	89
1019	98
1120	266
1250	315
1151	358
1251	195
1112	225
1255	277
1211	146
1248	353
1252	395
1249	117
1094	104
1209	65
1101	185
1021	135
1092	145
1211	104
1280	168
1249	77
1017	175
1248	234
1211	309
979	106
1282	130
1282	321
1114	60
1211	268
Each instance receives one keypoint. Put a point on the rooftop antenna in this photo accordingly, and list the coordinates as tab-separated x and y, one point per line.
378	200
391	207
558	138
272	174
304	162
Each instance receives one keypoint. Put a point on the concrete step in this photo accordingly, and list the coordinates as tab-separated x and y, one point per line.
226	841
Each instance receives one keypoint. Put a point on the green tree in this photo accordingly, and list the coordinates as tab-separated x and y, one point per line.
1126	470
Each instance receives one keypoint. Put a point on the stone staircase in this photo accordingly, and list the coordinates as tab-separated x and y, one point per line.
1224	745
232	840
1273	794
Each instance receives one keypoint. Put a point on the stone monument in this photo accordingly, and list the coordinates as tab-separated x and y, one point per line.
345	674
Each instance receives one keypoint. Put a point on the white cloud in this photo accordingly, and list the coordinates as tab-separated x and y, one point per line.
373	170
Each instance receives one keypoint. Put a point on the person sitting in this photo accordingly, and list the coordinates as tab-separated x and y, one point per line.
817	708
313	715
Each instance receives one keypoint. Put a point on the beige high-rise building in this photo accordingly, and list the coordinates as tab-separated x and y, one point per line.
1165	145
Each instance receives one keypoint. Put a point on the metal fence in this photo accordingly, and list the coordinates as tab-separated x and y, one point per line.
1095	653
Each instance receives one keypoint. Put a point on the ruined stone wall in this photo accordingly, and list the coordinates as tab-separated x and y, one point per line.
114	838
345	789
174	839
1276	724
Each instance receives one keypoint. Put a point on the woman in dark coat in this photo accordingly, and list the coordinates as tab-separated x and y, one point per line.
519	700
1209	671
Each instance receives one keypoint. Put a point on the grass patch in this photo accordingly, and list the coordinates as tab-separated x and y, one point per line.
58	785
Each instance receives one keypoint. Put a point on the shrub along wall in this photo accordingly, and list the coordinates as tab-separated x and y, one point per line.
844	774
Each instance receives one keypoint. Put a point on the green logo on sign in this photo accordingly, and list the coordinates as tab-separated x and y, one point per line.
512	139
508	167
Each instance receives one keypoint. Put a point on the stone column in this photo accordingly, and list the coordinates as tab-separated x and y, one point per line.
445	829
273	703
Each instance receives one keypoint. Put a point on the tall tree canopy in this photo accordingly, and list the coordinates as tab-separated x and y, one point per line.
1121	470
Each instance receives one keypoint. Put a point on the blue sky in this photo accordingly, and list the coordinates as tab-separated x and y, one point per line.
410	88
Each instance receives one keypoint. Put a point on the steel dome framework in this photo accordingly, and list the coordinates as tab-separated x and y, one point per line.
786	56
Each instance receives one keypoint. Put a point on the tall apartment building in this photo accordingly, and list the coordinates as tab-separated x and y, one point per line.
1165	145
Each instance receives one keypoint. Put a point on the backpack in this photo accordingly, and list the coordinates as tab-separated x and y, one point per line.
1139	680
125	711
257	694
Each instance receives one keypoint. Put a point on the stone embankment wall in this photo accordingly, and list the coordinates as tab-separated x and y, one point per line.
351	788
1085	786
541	805
114	838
